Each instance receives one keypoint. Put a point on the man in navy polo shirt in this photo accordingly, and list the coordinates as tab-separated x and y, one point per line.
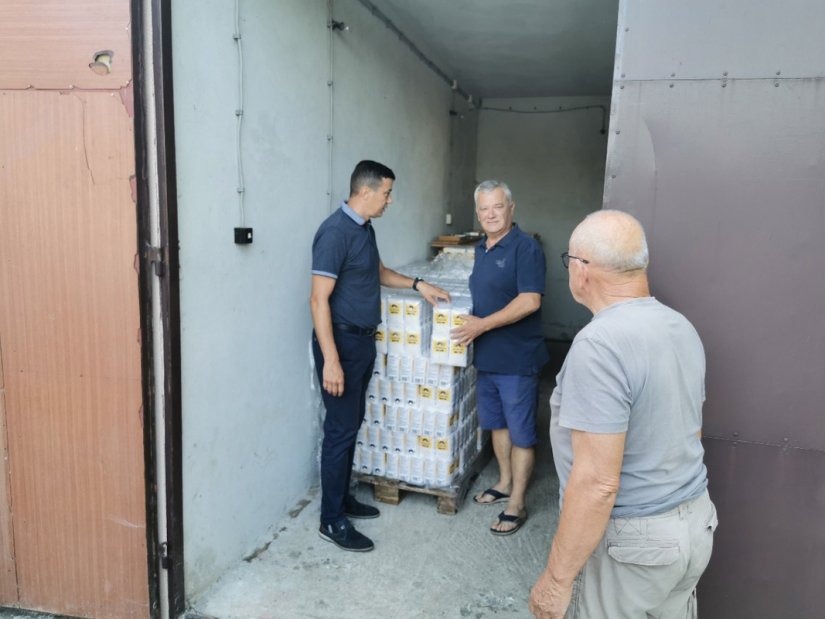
347	275
507	284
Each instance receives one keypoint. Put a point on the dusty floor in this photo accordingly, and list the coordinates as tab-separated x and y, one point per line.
424	564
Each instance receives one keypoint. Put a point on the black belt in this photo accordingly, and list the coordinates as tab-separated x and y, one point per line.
367	331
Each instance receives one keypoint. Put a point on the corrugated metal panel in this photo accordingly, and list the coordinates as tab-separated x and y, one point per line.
50	43
69	321
8	572
707	38
767	558
730	183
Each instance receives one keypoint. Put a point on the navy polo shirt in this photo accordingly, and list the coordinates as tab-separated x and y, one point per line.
513	265
345	250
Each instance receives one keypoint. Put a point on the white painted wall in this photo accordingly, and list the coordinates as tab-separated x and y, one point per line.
251	421
554	164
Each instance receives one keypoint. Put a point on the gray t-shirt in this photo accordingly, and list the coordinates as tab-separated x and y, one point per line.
637	367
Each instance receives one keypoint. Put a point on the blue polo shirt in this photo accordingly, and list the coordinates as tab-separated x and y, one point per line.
513	265
345	250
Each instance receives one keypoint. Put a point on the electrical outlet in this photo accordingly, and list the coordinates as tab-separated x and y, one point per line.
448	219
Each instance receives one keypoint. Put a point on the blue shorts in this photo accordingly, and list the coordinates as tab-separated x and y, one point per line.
509	401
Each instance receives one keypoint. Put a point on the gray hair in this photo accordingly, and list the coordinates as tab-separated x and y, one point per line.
612	239
491	185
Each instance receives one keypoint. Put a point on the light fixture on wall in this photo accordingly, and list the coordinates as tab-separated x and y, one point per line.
337	25
102	63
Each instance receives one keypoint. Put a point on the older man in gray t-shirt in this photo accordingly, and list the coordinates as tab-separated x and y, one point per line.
637	368
636	526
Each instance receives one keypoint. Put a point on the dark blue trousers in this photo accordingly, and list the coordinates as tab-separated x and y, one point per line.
343	419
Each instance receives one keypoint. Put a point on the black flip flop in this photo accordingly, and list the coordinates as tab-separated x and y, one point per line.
517	520
498	497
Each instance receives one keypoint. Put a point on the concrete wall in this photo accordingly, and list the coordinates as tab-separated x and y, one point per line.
250	415
463	157
554	164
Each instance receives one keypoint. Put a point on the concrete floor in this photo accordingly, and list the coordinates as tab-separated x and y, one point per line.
425	564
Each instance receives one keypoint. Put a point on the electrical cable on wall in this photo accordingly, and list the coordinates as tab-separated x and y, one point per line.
243	235
331	89
510	110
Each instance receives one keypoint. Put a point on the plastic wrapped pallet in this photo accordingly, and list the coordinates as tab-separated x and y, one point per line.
421	426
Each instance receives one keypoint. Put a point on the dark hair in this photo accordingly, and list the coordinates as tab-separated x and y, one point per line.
369	173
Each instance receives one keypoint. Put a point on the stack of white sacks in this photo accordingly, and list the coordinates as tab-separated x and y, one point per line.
421	425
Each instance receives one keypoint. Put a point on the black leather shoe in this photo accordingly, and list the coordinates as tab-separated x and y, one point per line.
344	535
355	509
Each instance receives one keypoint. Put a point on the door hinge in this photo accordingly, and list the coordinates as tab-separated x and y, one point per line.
165	561
157	258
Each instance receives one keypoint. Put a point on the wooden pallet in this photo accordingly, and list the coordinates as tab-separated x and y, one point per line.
449	499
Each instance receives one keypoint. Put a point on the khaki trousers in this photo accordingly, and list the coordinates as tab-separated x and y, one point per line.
647	567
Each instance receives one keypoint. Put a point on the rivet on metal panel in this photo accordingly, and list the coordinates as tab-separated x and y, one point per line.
725	73
736	433
621	87
724	84
671	85
618	132
672	75
612	176
779	72
623	75
776	85
627	29
785	439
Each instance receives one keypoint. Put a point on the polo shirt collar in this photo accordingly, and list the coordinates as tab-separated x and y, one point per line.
503	241
352	214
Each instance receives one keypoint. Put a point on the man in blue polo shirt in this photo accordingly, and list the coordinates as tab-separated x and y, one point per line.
347	275
507	284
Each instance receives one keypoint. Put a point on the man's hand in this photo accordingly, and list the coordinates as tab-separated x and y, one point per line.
334	378
433	294
473	327
548	599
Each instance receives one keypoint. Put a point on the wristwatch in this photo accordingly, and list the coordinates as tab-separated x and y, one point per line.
415	283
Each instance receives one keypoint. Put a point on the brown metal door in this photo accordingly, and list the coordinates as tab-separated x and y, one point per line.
717	126
72	497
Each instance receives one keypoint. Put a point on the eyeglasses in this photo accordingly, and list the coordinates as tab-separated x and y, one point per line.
566	257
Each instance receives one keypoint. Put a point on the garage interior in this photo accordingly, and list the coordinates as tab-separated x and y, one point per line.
282	103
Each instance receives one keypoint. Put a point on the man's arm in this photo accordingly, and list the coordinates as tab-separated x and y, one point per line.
333	375
394	279
588	500
523	305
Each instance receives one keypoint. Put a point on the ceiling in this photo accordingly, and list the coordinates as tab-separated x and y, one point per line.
514	48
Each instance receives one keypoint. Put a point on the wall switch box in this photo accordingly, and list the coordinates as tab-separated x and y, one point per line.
448	219
243	236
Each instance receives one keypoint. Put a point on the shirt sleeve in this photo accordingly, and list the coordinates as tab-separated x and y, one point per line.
595	391
530	267
329	251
